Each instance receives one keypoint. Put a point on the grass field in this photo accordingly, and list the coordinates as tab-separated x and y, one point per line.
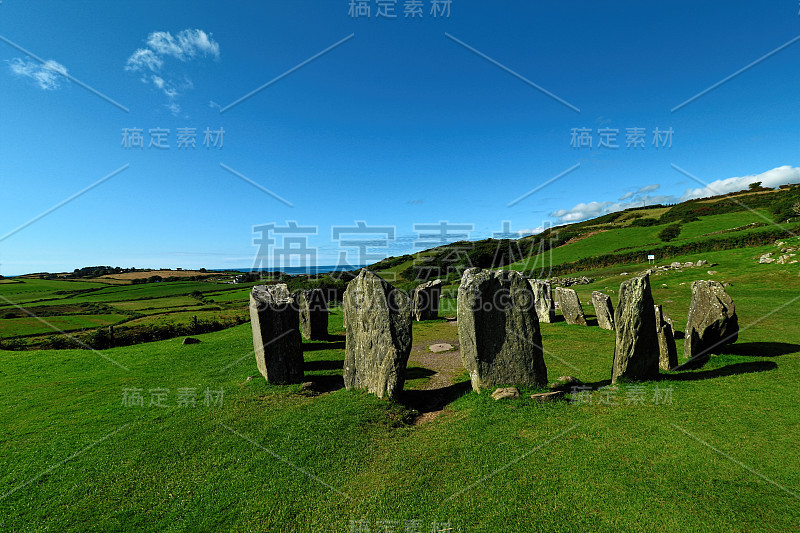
707	450
82	306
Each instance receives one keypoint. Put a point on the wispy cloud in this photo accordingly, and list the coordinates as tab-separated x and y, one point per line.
584	211
150	62
48	76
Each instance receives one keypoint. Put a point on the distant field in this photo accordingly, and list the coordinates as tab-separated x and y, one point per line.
32	326
162	273
85	305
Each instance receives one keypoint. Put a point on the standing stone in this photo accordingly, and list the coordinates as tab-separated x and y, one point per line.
570	306
313	314
543	295
426	300
668	352
378	335
712	321
603	309
636	351
499	330
276	337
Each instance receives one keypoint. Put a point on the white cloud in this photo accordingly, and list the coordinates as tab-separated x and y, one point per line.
48	75
648	188
530	231
186	46
771	178
584	211
144	59
626	196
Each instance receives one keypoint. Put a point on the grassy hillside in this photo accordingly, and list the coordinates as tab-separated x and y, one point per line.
706	450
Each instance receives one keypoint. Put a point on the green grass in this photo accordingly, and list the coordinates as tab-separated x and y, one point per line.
628	239
482	465
31	326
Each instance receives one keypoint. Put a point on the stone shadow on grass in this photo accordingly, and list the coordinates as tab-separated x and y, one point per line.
418	372
329	345
310	366
728	370
761	349
326	383
426	401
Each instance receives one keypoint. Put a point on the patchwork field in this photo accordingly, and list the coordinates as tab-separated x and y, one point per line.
79	307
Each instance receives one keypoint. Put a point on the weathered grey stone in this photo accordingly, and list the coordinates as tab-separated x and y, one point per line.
276	335
511	393
636	351
668	352
701	262
426	300
378	337
565	383
440	347
712	321
543	299
603	309
766	258
498	330
548	396
313	314
570	306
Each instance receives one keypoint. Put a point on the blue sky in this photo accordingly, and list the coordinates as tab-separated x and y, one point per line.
403	123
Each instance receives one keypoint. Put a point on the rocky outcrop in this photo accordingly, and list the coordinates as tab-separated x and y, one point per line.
426	300
712	321
668	352
378	335
603	309
313	314
498	330
636	353
276	335
570	306
543	300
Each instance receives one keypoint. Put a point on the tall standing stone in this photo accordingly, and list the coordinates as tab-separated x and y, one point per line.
378	338
426	300
276	337
668	352
603	309
498	329
570	306
712	321
636	352
313	314
543	298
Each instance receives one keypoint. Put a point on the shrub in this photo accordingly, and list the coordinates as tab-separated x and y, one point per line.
670	232
644	222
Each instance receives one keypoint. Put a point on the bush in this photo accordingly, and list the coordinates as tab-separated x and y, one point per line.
670	232
644	222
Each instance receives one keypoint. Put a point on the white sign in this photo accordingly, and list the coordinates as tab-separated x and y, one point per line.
651	257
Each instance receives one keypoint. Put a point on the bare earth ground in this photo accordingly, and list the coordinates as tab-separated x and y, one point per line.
446	365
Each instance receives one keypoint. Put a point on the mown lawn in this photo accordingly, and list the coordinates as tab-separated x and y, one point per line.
708	450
